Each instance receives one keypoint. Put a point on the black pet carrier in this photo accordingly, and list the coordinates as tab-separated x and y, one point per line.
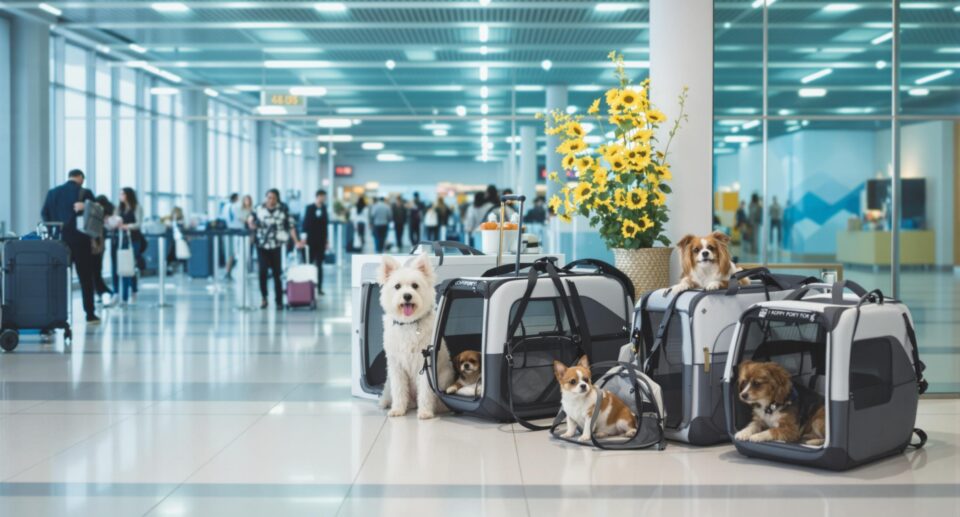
858	352
521	322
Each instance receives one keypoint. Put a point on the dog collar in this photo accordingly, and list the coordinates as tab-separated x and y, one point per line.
772	408
404	323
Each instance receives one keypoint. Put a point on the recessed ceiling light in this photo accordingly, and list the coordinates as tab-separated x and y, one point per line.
445	152
750	125
840	8
330	7
389	157
611	7
335	138
434	125
137	48
484	33
440	132
933	77
322	150
881	64
210	92
164	90
461	111
308	91
484	72
784	112
738	139
295	63
528	88
484	92
50	9
571	109
758	3
372	146
334	122
484	3
546	64
103	49
484	108
812	92
727	25
816	75
881	38
169	7
271	110
918	92
391	64
484	50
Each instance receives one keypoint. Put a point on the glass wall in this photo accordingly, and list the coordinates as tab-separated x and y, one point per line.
804	149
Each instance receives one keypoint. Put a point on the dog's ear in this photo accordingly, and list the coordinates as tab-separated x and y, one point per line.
584	361
456	362
686	240
423	264
721	237
782	383
387	267
558	370
743	367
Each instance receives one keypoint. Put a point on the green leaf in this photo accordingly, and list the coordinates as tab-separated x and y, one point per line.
665	188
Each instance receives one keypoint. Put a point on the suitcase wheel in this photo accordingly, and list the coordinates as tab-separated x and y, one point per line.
9	340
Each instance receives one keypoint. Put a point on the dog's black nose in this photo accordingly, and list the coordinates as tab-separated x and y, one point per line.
407	297
705	253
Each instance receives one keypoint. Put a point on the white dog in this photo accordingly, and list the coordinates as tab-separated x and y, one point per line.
408	299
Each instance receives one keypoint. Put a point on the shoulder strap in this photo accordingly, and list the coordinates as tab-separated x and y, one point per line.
918	365
661	335
582	326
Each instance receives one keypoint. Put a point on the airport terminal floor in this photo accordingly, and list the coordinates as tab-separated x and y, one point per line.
201	409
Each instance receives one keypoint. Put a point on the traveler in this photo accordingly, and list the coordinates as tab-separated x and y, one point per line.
63	204
755	213
443	217
380	216
131	213
316	222
359	216
476	215
97	246
229	212
431	224
776	222
537	214
399	220
273	226
415	211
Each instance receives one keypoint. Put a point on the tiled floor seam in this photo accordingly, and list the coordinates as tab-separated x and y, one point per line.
516	453
366	457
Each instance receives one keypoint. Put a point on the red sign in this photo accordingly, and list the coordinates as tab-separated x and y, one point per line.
343	170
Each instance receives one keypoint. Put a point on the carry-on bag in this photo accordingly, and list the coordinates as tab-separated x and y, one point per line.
301	283
683	338
857	350
126	260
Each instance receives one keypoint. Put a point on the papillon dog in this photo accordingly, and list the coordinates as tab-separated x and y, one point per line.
706	263
578	396
781	412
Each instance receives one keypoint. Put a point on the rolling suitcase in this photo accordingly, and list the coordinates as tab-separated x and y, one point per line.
301	284
36	288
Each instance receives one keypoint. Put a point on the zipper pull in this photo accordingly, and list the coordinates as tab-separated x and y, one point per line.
706	360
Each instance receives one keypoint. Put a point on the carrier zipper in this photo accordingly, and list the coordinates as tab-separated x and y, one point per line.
706	360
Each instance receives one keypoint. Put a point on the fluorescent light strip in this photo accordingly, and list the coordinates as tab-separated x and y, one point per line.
335	138
372	146
738	139
389	157
758	3
750	125
308	91
164	90
210	92
50	9
918	92
301	63
484	72
330	7
880	39
812	92
840	8
933	77
169	7
484	92
440	132
137	48
484	31
461	111
816	75
271	110
612	8
334	122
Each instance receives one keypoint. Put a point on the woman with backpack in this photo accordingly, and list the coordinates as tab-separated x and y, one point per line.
273	226
130	213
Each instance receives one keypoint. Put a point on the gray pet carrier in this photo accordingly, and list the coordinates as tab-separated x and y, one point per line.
857	351
683	340
521	322
638	392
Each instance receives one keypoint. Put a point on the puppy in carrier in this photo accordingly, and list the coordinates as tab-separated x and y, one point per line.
782	411
408	300
467	365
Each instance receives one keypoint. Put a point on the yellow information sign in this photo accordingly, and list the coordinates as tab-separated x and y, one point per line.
294	104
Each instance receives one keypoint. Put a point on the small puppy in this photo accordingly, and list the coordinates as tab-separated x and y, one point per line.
579	397
780	411
706	263
409	310
469	381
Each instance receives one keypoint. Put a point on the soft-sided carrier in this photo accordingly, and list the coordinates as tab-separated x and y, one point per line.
683	340
368	360
627	381
521	322
859	351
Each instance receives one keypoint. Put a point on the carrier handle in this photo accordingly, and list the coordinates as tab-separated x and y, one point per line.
605	268
918	366
439	246
503	216
506	268
836	290
875	296
760	273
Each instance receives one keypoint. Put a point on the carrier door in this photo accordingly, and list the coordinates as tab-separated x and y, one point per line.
374	373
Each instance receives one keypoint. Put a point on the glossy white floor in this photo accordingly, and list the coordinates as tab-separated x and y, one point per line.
198	409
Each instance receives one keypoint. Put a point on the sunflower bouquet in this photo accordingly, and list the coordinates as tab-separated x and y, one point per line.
622	183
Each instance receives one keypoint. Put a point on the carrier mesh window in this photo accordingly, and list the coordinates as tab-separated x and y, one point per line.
871	372
463	324
542	316
668	369
375	372
608	330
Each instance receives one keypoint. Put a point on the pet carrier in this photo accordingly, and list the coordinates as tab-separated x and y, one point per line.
858	351
639	393
368	362
683	340
521	322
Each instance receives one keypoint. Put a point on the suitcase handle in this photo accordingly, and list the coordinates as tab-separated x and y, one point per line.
503	214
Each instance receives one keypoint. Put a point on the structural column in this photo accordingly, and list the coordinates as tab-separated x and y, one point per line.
195	106
6	177
29	122
556	100
526	175
264	159
681	58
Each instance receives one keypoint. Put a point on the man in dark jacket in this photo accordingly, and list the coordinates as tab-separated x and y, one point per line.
64	204
399	220
316	221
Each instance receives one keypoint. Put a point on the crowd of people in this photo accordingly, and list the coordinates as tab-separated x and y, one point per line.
749	222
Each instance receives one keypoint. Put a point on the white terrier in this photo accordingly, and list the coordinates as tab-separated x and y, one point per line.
408	299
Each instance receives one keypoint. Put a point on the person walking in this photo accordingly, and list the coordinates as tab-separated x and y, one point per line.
776	222
380	216
358	217
443	218
475	215
743	226
755	215
228	213
63	204
131	215
272	224
316	222
399	220
415	211
431	223
97	247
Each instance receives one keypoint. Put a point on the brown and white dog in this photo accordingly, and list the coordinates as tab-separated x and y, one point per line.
706	263
466	365
780	411
579	398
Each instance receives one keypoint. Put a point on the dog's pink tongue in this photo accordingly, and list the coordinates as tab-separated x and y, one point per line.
408	310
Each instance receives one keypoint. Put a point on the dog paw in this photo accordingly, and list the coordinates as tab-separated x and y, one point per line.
760	437
713	286
425	415
567	435
743	435
815	442
384	403
396	412
584	438
451	390
630	433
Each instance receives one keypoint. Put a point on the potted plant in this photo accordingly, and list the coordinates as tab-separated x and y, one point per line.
622	178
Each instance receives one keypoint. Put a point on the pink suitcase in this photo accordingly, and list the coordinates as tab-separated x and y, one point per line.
301	294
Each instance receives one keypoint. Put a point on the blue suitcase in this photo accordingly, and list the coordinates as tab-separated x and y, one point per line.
36	288
200	264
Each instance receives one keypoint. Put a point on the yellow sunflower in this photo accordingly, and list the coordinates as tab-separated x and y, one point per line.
565	218
620	197
642	135
584	163
575	130
629	229
613	97
664	172
569	161
594	108
553	176
636	199
617	163
629	99
572	146
582	192
645	223
641	158
656	116
555	203
660	199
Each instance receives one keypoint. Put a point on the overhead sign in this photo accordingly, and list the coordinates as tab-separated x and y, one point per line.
294	104
343	170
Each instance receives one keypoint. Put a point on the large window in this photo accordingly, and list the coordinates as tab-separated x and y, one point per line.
806	134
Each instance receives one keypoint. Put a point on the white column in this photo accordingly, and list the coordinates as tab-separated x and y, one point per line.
195	105
556	100
30	122
6	201
681	54
264	159
526	177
